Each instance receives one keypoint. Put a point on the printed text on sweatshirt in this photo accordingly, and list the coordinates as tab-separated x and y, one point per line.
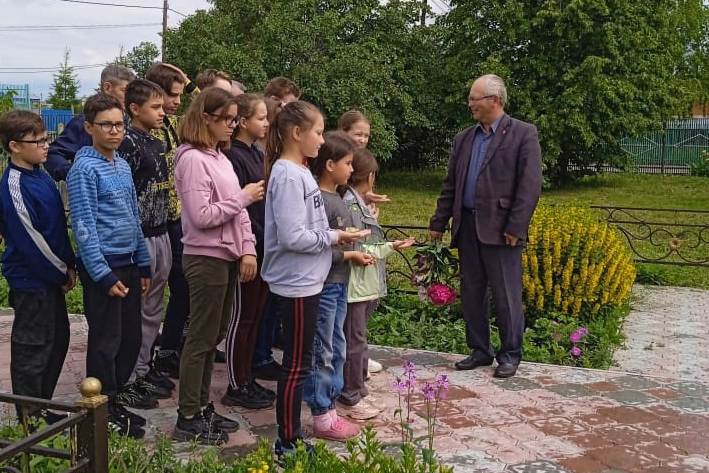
297	236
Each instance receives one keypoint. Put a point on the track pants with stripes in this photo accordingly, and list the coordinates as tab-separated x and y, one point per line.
299	317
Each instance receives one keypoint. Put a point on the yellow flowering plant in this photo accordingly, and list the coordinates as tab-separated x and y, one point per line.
574	264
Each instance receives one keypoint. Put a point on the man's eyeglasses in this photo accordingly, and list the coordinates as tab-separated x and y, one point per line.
108	127
228	120
473	99
41	143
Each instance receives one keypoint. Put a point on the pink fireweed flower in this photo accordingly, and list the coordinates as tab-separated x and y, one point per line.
575	351
409	369
441	294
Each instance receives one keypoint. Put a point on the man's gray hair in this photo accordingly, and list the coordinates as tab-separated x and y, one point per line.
114	73
238	84
494	85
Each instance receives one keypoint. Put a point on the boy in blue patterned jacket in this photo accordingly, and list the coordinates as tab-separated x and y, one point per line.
114	263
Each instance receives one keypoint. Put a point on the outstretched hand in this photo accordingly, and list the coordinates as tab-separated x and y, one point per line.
401	244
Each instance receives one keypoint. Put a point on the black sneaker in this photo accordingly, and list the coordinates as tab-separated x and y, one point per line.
158	379
135	418
154	390
123	424
245	396
265	392
198	429
218	421
219	356
133	396
51	417
283	450
271	371
168	364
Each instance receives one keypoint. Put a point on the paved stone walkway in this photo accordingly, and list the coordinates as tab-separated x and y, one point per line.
546	419
667	333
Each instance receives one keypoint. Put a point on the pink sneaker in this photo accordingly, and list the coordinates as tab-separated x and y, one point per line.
330	426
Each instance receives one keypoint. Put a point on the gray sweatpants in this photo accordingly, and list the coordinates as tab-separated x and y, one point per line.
152	306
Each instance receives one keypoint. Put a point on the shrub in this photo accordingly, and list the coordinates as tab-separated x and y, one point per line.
574	264
701	167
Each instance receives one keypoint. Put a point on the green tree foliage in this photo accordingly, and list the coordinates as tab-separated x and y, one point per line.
140	58
6	102
343	53
65	87
586	72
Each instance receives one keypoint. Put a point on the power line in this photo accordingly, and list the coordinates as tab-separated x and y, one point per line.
124	5
46	69
71	27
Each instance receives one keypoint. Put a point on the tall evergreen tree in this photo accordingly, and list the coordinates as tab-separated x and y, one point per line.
65	87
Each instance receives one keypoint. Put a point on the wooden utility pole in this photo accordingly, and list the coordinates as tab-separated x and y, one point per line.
164	30
424	6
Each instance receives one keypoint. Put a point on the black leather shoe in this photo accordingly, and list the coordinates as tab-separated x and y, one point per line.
471	362
505	370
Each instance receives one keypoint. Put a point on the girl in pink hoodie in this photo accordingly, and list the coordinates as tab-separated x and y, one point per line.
218	247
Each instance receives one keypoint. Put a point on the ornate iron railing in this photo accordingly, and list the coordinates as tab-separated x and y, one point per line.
659	236
86	422
662	236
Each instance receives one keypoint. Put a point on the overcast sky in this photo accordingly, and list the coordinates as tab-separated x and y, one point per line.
45	49
93	46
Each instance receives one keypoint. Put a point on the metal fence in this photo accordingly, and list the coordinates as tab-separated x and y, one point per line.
88	432
670	151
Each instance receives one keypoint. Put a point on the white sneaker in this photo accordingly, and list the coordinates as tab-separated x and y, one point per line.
374	366
360	411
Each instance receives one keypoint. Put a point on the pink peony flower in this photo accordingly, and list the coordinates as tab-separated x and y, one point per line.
441	294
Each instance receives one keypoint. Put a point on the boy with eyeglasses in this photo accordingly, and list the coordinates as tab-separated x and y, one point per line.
113	260
38	262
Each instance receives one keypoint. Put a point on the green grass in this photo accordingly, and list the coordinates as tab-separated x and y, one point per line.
414	195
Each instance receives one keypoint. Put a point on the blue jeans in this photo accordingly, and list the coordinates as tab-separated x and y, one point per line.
268	331
325	382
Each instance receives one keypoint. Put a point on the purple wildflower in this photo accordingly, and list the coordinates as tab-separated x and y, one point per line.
575	351
399	385
429	392
409	368
442	382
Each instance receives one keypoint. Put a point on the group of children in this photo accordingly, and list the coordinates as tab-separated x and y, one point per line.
250	213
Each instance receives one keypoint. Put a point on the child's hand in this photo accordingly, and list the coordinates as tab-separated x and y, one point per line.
71	281
361	259
118	290
144	286
401	244
255	190
351	236
247	268
372	198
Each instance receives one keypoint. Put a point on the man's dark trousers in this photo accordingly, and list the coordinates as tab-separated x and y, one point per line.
500	267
